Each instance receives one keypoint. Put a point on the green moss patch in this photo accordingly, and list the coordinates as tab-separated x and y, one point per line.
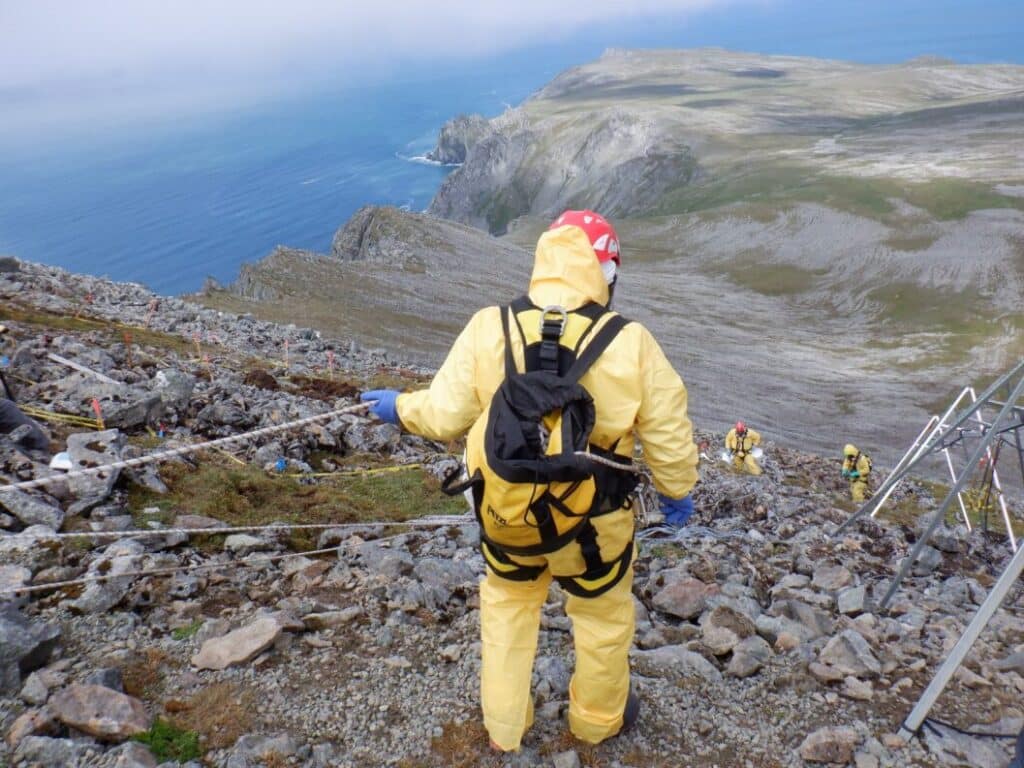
167	742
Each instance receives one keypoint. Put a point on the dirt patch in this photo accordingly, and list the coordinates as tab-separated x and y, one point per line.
258	377
324	389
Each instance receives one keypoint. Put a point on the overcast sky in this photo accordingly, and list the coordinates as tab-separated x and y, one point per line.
58	42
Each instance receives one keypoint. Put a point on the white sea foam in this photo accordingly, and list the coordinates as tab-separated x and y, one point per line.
424	160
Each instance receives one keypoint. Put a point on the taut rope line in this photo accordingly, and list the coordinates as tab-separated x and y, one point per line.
184	450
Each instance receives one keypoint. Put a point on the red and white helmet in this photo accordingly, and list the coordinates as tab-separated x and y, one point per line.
599	231
740	427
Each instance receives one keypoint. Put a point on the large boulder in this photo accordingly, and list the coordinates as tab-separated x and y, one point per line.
100	712
24	647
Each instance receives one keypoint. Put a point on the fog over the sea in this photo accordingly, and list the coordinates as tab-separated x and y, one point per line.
85	57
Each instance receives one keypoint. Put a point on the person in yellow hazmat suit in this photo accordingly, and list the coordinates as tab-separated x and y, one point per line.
856	468
740	442
637	394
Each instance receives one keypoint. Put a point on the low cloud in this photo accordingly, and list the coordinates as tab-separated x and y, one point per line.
48	43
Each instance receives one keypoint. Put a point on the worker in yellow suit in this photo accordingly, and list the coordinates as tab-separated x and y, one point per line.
740	442
637	394
857	468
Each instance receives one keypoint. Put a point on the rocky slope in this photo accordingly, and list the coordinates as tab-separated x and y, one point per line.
757	642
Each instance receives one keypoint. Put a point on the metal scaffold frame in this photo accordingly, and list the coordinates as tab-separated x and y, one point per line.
989	437
963	428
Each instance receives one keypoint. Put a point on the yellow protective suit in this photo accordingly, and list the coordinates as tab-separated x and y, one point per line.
861	465
636	394
740	447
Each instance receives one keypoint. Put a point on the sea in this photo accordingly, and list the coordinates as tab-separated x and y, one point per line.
171	201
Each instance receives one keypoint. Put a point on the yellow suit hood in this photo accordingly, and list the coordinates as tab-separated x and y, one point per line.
566	271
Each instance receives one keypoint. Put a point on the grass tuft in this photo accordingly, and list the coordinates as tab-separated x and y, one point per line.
170	743
184	633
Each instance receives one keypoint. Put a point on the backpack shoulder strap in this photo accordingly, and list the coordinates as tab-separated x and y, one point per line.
595	348
510	360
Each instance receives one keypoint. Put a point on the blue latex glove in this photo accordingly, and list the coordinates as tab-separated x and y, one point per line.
677	511
384	407
854	473
846	473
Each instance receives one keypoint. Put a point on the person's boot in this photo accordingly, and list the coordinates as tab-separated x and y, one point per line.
632	711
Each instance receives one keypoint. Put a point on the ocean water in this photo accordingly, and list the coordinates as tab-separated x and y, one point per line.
171	201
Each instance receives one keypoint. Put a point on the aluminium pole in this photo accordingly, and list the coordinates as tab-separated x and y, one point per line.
939	515
913	721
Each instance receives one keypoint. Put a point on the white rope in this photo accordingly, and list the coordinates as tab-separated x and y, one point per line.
436	521
631	467
422	522
173	453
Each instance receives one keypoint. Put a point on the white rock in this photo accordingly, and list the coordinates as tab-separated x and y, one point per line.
239	646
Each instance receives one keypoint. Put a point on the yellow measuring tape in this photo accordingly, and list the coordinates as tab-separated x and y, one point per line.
65	418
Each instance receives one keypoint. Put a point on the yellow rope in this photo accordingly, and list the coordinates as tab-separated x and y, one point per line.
67	418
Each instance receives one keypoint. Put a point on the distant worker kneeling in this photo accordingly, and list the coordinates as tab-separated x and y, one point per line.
740	442
857	468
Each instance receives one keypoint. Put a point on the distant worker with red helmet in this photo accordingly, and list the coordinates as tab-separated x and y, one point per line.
540	385
741	442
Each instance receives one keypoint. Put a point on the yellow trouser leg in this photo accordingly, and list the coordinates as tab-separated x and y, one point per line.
509	623
752	466
603	629
737	462
858	490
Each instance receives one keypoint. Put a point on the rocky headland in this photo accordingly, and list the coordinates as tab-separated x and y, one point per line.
758	641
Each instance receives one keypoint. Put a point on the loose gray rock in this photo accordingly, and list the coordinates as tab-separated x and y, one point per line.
100	712
748	657
238	647
331	619
927	561
683	597
677	659
44	751
567	759
851	601
108	677
32	722
830	578
830	745
93	449
32	511
849	653
131	754
24	646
